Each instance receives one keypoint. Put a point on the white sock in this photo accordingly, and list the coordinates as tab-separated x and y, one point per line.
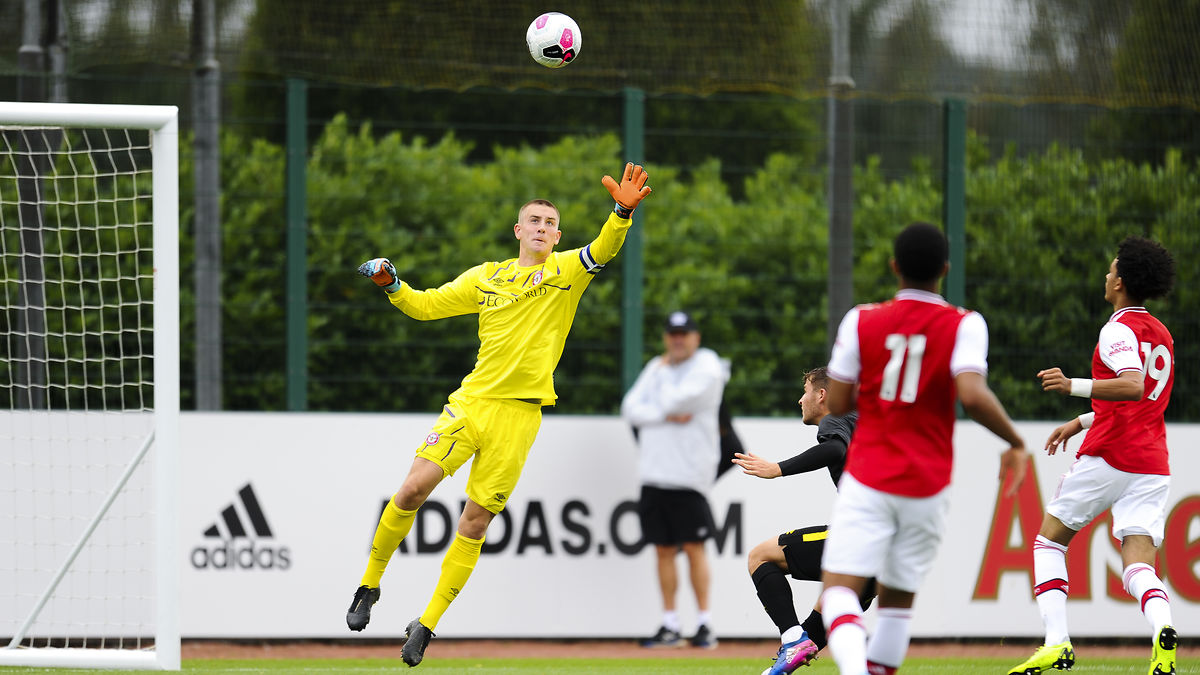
671	620
889	642
845	631
1144	585
1050	589
792	634
704	618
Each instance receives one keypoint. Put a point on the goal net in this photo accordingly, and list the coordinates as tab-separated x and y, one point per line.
89	386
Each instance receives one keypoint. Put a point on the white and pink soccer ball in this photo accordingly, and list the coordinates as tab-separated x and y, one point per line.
553	39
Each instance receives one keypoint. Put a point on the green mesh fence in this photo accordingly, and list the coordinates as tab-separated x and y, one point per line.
1105	51
429	124
736	232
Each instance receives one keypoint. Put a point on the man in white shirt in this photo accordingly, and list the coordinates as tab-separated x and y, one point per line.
673	409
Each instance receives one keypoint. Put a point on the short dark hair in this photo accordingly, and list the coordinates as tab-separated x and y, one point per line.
1145	267
819	377
921	252
539	202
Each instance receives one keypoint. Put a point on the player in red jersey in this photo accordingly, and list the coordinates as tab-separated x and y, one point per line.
1122	463
911	357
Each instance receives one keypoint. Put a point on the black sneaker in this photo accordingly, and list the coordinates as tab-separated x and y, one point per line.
665	637
704	638
416	639
359	614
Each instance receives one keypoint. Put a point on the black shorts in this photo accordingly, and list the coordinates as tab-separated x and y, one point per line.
672	517
802	549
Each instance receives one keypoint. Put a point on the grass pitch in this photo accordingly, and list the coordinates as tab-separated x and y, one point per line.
647	666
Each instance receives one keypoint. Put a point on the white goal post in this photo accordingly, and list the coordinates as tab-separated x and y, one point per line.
89	386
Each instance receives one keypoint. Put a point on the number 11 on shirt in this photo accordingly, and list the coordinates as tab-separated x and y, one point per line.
899	345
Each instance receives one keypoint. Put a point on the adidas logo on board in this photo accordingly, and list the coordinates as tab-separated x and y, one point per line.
239	548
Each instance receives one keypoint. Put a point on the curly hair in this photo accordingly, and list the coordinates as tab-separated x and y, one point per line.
1145	267
921	252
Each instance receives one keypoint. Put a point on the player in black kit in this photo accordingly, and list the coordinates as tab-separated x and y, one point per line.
798	552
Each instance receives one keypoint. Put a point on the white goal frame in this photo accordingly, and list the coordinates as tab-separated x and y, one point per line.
162	123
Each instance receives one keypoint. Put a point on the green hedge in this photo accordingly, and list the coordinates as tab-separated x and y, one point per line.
1041	230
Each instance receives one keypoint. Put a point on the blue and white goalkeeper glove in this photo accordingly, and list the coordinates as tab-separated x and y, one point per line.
381	271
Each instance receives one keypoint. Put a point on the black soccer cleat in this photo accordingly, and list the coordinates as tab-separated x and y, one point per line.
417	638
359	614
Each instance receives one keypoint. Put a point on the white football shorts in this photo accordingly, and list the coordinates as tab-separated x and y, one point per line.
891	538
1138	500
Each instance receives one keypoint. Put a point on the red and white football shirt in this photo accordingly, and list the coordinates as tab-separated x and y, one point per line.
1132	435
905	353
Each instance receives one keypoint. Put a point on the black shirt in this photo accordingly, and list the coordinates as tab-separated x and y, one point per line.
833	437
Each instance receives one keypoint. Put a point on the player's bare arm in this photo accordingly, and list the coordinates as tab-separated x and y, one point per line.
840	396
1058	437
1128	386
983	407
753	465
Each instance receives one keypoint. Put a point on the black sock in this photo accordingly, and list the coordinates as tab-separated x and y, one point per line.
775	593
814	625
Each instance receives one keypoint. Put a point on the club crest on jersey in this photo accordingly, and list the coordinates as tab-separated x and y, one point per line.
433	438
536	278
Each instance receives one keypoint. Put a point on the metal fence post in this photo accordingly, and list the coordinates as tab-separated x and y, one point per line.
840	284
634	138
206	95
297	245
954	196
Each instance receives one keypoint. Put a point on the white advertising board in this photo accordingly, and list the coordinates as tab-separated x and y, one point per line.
278	511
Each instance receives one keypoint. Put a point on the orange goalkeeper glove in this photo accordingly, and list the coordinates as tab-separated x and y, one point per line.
381	271
630	192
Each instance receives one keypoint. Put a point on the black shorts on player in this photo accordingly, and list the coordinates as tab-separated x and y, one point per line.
803	549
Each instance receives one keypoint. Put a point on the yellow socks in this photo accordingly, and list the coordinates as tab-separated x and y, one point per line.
394	525
457	565
456	569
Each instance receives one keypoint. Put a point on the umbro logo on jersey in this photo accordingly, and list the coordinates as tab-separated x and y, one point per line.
239	533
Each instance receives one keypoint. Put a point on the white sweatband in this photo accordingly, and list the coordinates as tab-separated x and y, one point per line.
1086	419
1081	387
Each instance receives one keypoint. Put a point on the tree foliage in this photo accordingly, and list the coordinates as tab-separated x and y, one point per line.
1041	230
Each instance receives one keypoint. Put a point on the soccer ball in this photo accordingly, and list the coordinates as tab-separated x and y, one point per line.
553	39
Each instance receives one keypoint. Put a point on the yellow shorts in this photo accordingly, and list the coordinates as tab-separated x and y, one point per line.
498	432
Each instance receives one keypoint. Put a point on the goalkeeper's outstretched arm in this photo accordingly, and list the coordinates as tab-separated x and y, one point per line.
626	194
630	191
453	298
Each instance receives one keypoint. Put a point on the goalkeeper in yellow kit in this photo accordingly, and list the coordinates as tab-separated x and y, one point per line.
526	306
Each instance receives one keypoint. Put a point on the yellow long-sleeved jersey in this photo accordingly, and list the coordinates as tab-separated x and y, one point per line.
525	313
